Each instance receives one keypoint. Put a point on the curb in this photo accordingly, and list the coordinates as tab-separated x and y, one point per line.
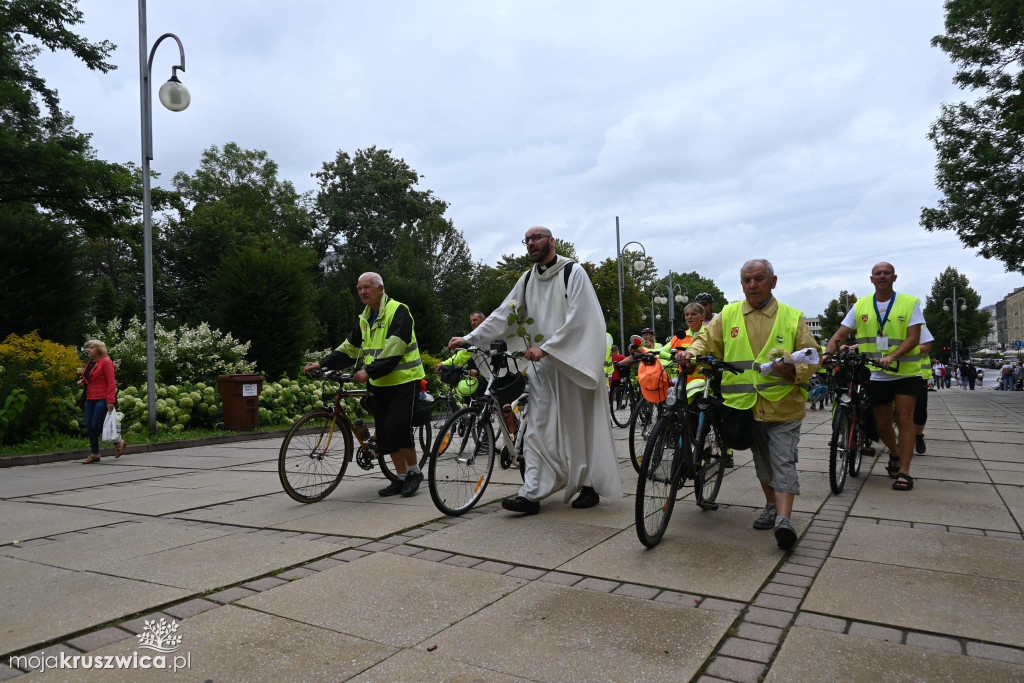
62	456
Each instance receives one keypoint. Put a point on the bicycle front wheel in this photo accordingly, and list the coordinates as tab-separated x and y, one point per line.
661	474
314	456
461	462
641	422
706	459
620	405
839	449
860	444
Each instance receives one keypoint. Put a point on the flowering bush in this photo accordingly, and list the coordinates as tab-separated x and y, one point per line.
187	354
43	373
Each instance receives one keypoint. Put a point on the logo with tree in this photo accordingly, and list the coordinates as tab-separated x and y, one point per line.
160	636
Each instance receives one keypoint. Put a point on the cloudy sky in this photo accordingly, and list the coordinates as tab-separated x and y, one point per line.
717	132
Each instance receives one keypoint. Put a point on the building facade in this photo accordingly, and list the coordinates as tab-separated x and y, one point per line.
1014	317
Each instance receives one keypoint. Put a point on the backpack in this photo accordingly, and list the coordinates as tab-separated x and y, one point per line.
653	381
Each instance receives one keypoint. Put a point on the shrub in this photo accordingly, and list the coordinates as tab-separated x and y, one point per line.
187	354
40	375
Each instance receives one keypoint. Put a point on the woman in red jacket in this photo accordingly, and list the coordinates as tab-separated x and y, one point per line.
100	396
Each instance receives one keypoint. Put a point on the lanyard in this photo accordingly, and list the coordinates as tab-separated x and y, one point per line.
878	316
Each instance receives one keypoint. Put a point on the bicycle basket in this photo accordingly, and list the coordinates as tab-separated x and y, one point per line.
451	374
421	412
653	382
508	387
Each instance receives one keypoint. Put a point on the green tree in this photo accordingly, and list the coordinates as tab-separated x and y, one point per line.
972	322
980	144
605	278
693	284
234	200
50	179
265	295
834	313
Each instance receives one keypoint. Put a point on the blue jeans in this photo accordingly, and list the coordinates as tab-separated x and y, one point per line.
1008	382
95	413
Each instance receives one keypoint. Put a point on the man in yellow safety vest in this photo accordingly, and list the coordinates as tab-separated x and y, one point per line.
744	333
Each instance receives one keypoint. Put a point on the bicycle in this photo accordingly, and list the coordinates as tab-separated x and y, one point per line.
624	396
850	413
318	448
642	419
686	442
462	458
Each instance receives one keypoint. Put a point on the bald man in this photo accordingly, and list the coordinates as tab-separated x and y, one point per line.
888	329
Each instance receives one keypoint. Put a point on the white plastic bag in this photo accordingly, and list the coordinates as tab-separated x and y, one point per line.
112	427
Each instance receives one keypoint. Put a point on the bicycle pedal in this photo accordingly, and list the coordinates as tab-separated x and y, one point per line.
708	506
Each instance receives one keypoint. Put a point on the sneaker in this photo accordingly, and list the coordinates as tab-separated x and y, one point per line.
520	504
588	498
411	483
767	518
785	534
920	447
392	489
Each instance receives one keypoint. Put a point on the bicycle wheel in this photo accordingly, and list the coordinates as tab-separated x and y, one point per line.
661	475
843	432
706	463
442	409
314	456
640	424
421	435
860	444
620	405
461	462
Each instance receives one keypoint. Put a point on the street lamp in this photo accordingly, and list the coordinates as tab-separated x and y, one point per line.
175	97
674	298
946	304
636	266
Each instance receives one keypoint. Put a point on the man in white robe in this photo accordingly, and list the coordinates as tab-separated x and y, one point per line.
568	435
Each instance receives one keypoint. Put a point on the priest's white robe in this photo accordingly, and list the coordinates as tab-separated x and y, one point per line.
568	440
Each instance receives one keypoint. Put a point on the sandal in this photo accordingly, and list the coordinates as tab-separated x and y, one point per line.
904	482
119	449
893	469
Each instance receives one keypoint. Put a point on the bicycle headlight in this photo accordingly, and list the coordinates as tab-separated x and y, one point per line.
845	398
670	400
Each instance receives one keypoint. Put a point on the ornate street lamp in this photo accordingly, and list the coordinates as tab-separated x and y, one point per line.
946	304
636	266
174	96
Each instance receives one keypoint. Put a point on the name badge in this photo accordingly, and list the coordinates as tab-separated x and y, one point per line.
883	344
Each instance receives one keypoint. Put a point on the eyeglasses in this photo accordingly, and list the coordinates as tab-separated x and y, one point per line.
535	238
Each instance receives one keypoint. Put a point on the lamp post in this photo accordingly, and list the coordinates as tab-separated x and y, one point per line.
946	304
636	266
674	297
174	96
655	314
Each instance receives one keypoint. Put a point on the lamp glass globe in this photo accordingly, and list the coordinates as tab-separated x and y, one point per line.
639	266
658	317
174	95
682	298
945	307
963	307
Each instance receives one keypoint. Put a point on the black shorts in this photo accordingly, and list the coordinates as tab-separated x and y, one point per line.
392	408
921	407
882	392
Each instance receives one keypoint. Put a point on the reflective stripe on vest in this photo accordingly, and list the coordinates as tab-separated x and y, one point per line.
741	391
895	330
926	368
410	366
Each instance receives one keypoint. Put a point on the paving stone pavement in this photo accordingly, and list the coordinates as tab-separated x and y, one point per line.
921	585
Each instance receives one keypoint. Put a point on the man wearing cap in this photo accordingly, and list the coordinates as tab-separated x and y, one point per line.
568	440
743	334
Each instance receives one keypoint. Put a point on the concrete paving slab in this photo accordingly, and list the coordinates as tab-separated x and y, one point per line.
1001	452
42	603
537	541
366	520
937	468
221	561
22	521
935	502
991	465
743	488
536	633
417	665
1006	477
411	599
955	604
74	469
201	479
711	553
181	459
811	655
364	490
1014	498
258	512
99	495
994	558
614	514
235	644
998	437
92	550
175	500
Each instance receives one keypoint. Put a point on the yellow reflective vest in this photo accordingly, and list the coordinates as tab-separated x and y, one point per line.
895	330
376	344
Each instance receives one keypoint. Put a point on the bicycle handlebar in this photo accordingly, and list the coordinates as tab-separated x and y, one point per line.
851	356
336	375
716	363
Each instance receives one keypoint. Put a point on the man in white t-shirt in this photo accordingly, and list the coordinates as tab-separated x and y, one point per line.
893	393
1006	377
937	380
